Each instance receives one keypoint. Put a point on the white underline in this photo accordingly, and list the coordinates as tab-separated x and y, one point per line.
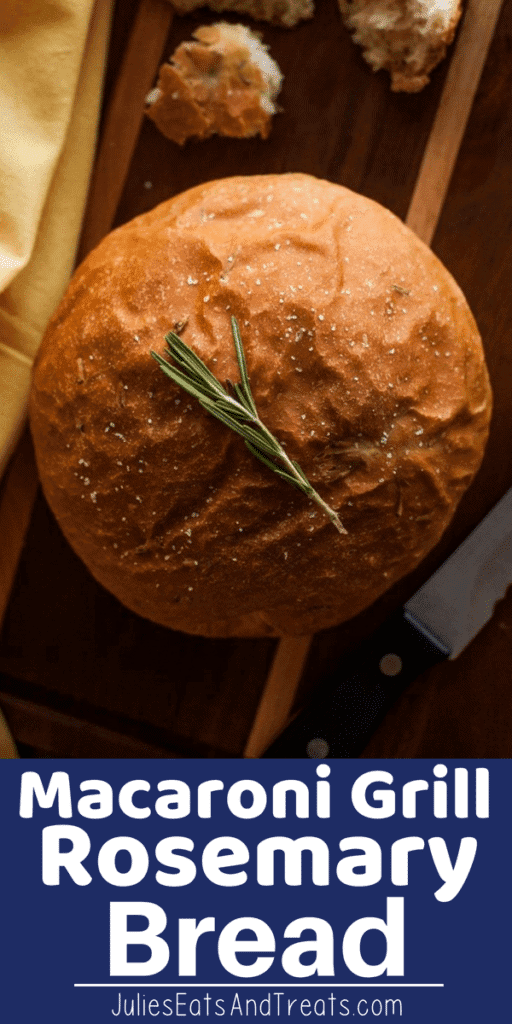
259	984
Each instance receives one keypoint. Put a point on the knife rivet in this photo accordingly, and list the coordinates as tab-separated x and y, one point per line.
390	665
317	748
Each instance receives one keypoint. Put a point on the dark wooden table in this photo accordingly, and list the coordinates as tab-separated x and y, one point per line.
83	677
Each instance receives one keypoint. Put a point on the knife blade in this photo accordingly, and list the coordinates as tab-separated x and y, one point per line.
436	623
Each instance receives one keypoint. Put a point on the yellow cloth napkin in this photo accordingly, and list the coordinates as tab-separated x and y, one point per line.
52	58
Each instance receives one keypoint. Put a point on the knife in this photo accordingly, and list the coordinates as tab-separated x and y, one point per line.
436	623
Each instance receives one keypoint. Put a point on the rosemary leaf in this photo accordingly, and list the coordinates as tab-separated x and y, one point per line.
227	407
244	429
300	472
240	355
193	388
228	421
265	443
242	398
281	472
183	354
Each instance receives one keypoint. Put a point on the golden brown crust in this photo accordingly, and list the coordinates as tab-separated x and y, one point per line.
223	83
406	37
364	359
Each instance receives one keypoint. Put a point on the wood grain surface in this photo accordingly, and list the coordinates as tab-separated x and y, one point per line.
105	681
124	116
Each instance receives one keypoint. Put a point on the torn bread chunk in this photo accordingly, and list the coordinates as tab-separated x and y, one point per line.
406	37
280	12
225	83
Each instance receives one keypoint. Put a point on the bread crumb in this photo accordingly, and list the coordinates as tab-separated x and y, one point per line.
224	83
406	37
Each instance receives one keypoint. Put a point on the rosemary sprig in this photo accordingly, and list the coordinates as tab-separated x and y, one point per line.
238	411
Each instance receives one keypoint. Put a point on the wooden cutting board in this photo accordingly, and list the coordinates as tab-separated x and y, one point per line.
82	676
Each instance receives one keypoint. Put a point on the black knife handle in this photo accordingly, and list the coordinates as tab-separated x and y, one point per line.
356	698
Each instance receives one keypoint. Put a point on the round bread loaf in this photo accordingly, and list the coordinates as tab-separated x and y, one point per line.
364	360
